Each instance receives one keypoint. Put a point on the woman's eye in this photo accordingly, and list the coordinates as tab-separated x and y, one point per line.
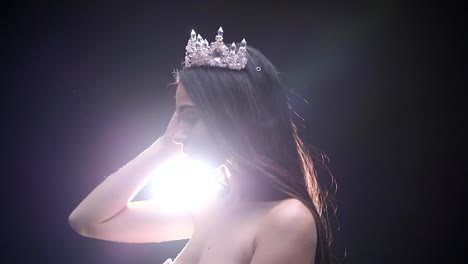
190	118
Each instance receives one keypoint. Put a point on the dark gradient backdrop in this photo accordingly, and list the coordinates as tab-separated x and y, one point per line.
87	84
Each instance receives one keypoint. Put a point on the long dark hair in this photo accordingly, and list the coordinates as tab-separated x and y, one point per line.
249	114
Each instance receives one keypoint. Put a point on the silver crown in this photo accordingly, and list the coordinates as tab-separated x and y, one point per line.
199	52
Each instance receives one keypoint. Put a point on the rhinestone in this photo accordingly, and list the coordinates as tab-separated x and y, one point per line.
217	53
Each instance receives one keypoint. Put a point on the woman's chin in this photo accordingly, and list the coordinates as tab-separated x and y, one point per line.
194	155
202	155
190	152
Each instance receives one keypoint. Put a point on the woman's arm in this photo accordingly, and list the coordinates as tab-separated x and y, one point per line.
108	213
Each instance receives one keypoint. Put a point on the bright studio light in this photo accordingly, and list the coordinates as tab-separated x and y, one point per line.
183	185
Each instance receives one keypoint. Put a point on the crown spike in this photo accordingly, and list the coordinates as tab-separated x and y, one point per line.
233	48
220	31
193	35
243	44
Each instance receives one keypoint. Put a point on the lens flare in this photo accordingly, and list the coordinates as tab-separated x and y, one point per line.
184	185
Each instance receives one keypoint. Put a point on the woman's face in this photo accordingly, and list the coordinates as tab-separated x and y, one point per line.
192	132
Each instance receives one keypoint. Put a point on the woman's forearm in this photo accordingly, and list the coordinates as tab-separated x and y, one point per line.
112	195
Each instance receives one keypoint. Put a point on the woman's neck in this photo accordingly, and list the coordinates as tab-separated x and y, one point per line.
250	187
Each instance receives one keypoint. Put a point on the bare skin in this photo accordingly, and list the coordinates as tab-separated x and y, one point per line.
233	229
252	232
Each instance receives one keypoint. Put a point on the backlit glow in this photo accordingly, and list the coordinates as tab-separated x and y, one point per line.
184	185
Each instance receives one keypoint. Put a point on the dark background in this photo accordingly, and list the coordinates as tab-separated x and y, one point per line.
87	85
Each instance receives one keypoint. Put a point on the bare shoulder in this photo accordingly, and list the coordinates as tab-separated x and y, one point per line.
287	234
291	213
290	217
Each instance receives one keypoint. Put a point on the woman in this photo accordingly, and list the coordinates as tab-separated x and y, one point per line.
231	110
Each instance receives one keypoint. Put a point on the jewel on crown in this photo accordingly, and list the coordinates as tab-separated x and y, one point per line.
199	52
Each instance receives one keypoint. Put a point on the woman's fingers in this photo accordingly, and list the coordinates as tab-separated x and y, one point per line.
171	129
